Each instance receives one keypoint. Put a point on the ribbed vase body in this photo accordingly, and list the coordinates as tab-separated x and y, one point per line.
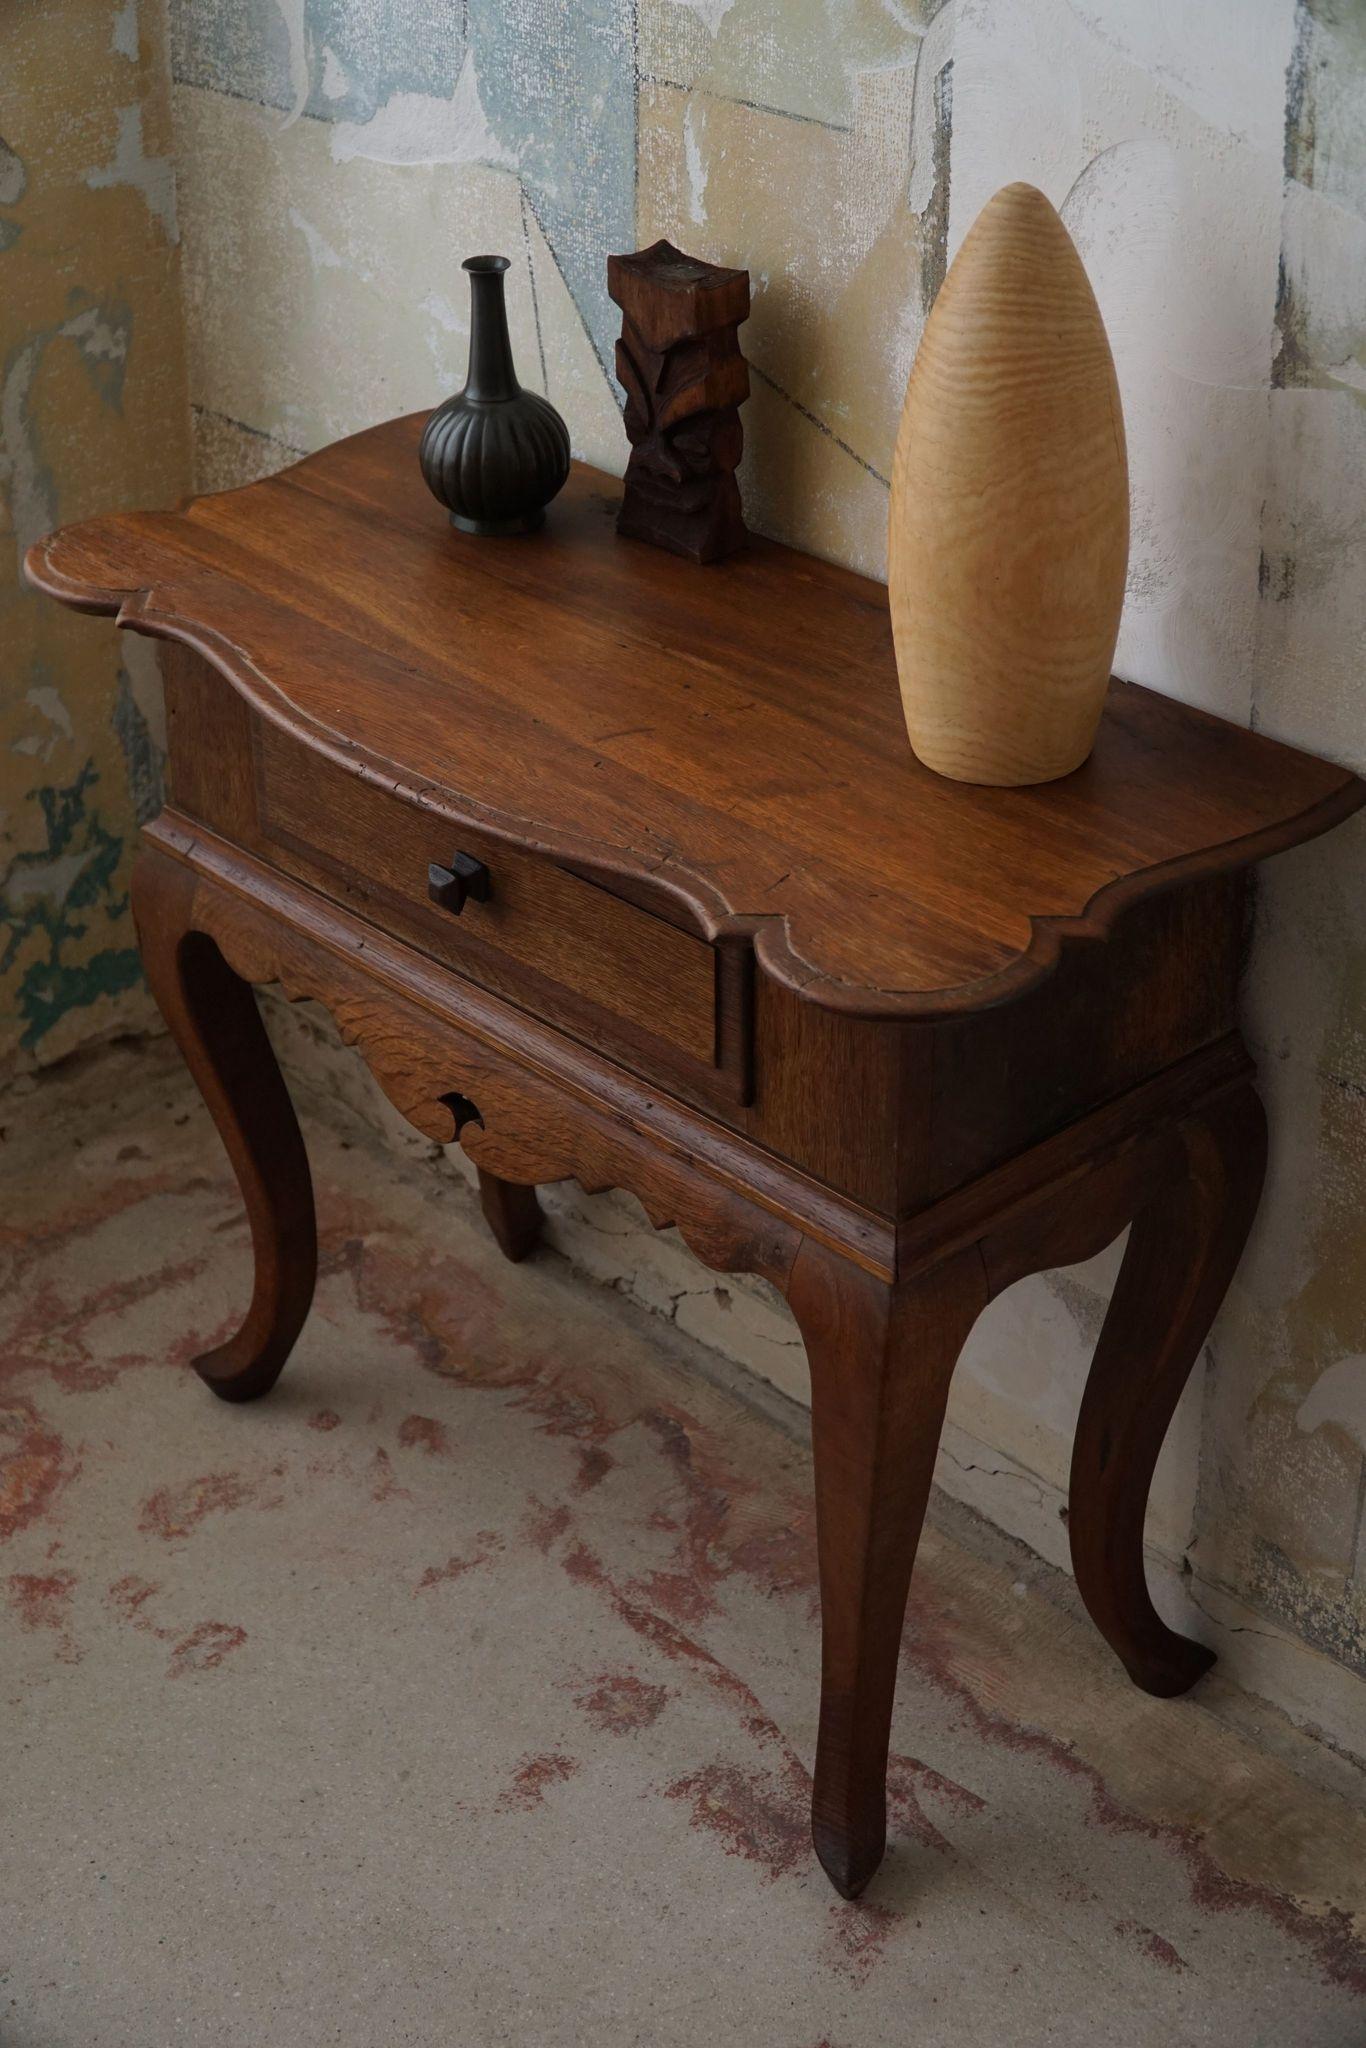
494	455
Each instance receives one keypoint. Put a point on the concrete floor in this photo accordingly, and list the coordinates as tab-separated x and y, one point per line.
464	1691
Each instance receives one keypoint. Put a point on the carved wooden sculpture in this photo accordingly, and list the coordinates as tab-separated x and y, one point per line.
680	364
890	1041
1009	530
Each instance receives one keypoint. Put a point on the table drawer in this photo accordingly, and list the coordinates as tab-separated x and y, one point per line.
553	942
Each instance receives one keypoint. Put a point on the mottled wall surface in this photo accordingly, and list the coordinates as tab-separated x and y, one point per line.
92	415
808	142
1285	1505
335	162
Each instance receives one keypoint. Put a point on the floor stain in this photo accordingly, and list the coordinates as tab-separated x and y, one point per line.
173	1511
760	1815
205	1648
490	1543
627	1546
534	1777
34	1465
42	1600
621	1703
424	1433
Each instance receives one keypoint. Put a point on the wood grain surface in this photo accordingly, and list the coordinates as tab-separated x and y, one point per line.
645	756
728	748
1009	522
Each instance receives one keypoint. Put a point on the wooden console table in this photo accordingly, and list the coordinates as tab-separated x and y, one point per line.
621	870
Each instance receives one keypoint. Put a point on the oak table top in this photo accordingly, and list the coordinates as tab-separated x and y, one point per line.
728	746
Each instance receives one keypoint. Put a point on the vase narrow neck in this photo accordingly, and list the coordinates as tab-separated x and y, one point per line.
490	374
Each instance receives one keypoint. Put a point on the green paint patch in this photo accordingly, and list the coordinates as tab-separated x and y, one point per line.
50	898
50	989
13	175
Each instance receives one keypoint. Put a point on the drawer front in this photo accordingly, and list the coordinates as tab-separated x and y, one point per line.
550	941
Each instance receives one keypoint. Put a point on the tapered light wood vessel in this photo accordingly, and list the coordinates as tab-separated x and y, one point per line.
1009	533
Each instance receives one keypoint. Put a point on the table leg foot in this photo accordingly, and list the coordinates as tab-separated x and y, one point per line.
513	1214
1183	1248
212	1015
881	1359
850	1865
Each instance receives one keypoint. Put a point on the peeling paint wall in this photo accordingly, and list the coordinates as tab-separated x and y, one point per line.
333	164
92	416
306	132
1284	1501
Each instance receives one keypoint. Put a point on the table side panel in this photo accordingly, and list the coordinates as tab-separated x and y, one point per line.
1161	986
846	1098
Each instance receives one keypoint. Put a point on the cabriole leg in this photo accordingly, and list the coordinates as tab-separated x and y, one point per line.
881	1359
1183	1248
212	1015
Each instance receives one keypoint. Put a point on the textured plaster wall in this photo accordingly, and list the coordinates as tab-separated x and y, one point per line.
1211	164
92	415
336	158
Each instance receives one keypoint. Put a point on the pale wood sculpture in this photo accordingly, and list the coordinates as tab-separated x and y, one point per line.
1009	532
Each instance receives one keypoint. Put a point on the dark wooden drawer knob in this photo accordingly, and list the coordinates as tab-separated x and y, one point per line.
465	876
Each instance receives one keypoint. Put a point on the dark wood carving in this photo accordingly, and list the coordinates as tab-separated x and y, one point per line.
890	1042
680	365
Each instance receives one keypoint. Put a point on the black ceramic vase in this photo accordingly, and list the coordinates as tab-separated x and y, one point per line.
494	455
